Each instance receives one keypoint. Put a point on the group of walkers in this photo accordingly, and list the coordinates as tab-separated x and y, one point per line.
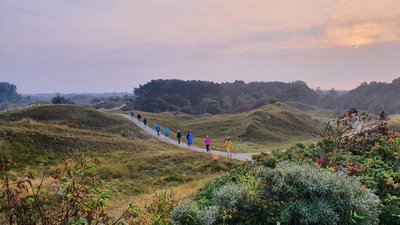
189	137
139	117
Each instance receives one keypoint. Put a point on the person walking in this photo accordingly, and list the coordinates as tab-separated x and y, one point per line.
166	132
187	137
178	136
207	141
144	122
229	146
190	139
132	114
158	129
139	117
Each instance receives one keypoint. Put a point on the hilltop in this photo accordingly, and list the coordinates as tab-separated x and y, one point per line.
73	116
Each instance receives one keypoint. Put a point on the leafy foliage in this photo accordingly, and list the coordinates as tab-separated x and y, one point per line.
59	99
197	97
289	193
77	196
8	93
371	154
307	194
374	97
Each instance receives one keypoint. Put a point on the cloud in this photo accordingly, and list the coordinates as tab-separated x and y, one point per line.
214	39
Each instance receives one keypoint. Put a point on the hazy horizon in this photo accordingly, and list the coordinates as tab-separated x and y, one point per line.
131	91
113	46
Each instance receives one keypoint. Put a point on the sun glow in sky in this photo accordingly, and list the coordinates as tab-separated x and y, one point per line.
105	45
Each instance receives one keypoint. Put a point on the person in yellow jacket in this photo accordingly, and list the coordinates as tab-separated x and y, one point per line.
229	146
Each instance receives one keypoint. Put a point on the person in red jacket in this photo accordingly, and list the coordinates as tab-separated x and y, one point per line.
207	141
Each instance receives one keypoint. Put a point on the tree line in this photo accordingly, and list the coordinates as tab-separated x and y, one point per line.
197	97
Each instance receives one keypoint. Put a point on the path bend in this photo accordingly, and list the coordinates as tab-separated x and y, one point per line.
238	156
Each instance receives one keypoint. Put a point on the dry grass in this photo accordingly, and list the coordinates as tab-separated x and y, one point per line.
119	203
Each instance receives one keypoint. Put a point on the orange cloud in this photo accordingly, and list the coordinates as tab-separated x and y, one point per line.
362	34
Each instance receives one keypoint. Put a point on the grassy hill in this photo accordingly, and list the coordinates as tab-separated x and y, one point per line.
74	116
273	126
43	136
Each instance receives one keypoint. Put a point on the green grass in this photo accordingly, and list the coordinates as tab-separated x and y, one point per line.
271	127
133	165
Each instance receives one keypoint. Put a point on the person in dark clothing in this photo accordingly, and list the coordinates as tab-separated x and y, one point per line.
139	117
179	135
132	114
144	122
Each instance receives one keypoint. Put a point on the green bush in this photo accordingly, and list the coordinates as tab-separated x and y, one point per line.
289	193
59	99
311	195
189	212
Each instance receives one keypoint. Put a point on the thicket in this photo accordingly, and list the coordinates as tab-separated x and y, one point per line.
73	194
8	93
371	155
374	97
59	99
289	194
197	97
350	177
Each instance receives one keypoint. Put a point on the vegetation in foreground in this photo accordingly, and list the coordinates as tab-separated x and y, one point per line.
348	178
128	164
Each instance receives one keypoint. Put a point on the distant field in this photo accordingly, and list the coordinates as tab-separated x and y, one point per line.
271	127
136	165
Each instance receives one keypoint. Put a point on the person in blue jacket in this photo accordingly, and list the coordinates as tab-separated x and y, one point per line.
166	132
158	129
190	139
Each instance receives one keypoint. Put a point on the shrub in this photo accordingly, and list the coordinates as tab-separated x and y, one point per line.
59	99
160	209
311	195
239	172
230	196
289	193
76	196
189	212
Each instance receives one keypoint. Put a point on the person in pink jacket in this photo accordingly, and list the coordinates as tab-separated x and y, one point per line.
207	141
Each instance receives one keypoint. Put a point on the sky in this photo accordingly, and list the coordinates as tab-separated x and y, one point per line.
67	46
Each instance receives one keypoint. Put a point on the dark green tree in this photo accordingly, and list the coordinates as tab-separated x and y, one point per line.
8	93
59	99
